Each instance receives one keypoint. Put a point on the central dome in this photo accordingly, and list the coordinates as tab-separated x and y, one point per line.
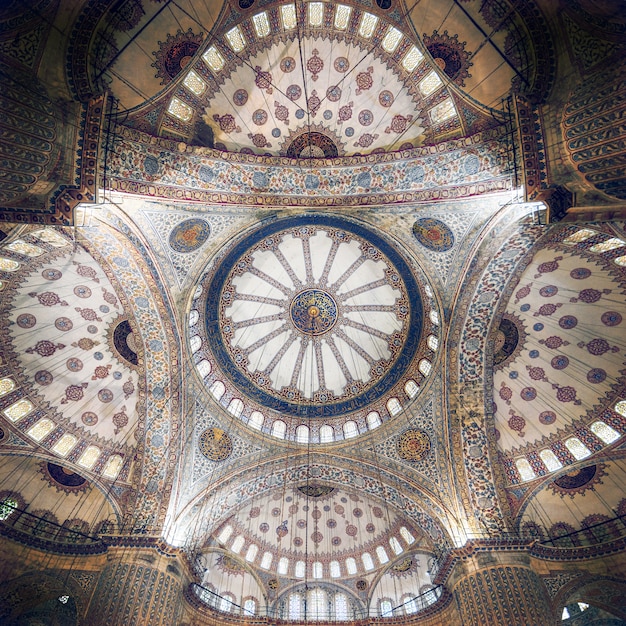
310	317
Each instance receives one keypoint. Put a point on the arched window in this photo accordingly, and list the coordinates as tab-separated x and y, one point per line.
19	409
249	606
7	507
278	429
605	432
238	544
351	565
425	366
395	545
299	570
295	606
266	561
193	317
6	385
113	466
620	407
317	605
406	535
302	434
89	457
373	420
368	562
227	602
409	603
39	430
433	342
550	460
386	608
393	406
350	429
382	555
225	534
578	449
283	566
217	389
335	570
526	472
235	407
318	569
256	420
411	388
327	434
194	343
64	445
580	235
434	317
204	368
252	552
341	607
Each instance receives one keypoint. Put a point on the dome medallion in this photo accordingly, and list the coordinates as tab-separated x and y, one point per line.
312	317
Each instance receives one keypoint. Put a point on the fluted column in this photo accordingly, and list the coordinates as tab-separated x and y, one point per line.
503	594
142	588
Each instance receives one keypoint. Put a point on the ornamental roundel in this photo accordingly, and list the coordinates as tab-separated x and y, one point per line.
413	445
433	234
189	235
215	444
313	316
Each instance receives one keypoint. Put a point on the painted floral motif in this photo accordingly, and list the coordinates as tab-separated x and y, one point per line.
281	112
365	140
364	80
227	123
259	117
288	64
263	80
399	124
341	65
240	97
345	112
450	55
315	64
174	54
385	98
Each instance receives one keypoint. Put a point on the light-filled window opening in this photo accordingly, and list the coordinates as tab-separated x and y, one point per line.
386	608
252	552
266	561
393	406
89	457
235	39
430	83
194	343
217	389
368	562
580	235
256	420
604	432
425	366
411	388
382	555
608	245
204	368
19	409
299	569
261	24
442	111
180	109
341	606
406	535
351	566
367	25
411	60
335	569
283	566
238	544
279	429
194	83
342	16
391	40
235	407
113	466
39	430
225	534
350	429
64	445
395	545
213	59
302	434
288	15
526	472
318	570
327	434
550	460
249	606
433	342
316	14
373	420
578	449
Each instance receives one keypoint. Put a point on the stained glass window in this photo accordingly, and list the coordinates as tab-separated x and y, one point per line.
620	260
213	59
392	39
580	235
442	111
620	407
367	25
525	470
316	13
194	83
433	342
180	109
342	16
89	457
288	14
19	409
113	466
39	430
235	39
64	445
578	449
6	385
604	432
430	83
27	249
608	245
51	236
550	460
412	59
7	507
434	316
8	265
261	24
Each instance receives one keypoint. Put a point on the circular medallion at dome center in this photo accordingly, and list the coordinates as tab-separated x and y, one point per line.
312	316
313	312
